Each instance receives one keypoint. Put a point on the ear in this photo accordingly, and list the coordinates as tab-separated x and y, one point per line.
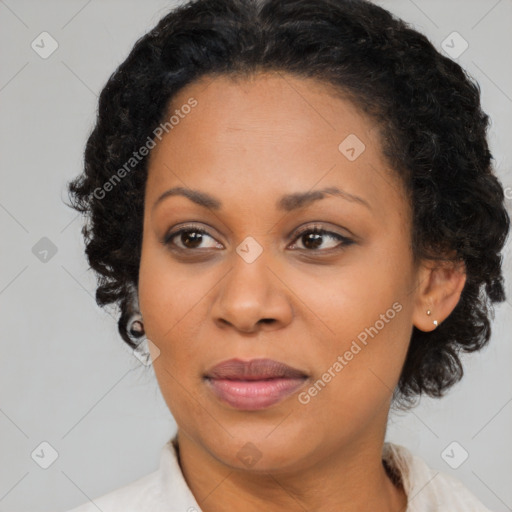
439	287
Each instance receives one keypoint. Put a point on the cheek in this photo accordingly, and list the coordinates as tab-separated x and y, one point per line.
170	300
174	300
368	311
167	298
357	375
163	289
370	294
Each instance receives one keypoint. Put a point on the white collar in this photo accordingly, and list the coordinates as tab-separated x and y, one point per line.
166	489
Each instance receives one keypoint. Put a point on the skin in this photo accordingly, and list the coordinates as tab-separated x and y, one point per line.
247	143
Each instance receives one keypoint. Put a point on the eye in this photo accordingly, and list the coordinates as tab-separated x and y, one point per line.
314	237
189	237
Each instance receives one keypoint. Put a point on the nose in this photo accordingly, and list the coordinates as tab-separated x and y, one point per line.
253	296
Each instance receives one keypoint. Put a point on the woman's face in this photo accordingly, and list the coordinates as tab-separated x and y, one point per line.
258	284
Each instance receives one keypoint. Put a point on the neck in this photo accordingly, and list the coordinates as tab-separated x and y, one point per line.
350	479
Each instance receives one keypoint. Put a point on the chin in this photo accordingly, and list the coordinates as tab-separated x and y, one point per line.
262	450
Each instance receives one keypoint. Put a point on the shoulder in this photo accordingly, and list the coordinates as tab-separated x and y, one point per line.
136	495
164	490
428	489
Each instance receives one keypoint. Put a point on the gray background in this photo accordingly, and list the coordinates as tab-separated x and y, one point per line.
65	376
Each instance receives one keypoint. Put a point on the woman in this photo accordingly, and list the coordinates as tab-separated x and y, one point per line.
293	204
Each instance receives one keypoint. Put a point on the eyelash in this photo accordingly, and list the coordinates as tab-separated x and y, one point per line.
344	241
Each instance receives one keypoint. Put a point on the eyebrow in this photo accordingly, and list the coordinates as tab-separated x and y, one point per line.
286	203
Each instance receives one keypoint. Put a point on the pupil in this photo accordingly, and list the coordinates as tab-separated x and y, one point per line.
194	235
315	237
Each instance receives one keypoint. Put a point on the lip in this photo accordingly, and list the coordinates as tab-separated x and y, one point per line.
255	384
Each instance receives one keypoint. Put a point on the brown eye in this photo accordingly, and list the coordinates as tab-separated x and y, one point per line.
188	238
313	238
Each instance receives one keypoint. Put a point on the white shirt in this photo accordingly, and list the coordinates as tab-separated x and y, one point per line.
165	490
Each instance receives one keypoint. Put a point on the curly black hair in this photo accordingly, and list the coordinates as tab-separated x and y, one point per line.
427	108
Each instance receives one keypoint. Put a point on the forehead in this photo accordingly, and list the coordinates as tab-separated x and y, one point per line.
271	132
266	103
